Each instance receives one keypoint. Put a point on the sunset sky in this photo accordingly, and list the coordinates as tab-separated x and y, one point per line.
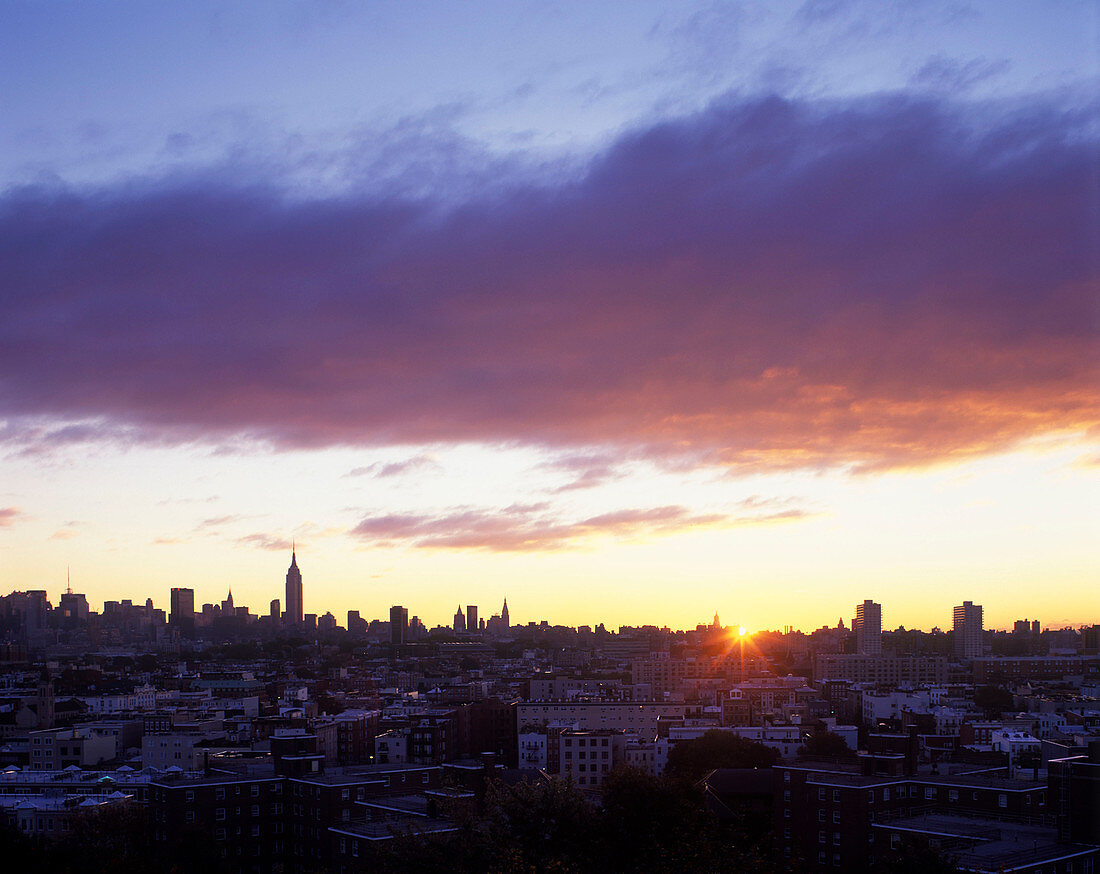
629	312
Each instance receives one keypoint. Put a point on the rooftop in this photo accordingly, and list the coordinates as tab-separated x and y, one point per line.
979	844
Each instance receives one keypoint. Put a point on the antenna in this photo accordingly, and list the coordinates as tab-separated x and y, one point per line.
68	581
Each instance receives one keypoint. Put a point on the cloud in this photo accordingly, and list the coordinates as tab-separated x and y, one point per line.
586	470
266	541
10	515
765	284
949	75
64	534
382	470
536	528
216	522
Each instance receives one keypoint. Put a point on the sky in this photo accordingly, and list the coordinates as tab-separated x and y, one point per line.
628	312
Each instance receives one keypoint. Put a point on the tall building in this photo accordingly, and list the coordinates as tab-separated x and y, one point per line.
504	614
471	617
868	628
275	614
182	610
293	616
968	630
182	605
399	625
460	619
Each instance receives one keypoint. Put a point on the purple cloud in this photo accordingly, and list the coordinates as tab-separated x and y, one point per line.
586	470
384	470
534	528
766	285
10	515
266	541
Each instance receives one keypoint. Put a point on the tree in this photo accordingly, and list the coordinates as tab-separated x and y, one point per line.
693	759
653	824
826	745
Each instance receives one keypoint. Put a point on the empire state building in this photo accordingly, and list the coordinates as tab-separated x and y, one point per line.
293	615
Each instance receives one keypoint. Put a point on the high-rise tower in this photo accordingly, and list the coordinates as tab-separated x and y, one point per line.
293	615
868	628
968	630
504	614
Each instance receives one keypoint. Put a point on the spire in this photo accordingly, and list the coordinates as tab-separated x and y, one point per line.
293	556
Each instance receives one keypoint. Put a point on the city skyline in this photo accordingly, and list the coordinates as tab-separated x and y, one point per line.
866	626
769	308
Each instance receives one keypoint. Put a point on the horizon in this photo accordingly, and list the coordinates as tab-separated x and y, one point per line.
767	308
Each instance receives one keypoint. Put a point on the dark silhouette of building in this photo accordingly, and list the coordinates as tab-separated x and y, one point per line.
293	614
399	625
471	617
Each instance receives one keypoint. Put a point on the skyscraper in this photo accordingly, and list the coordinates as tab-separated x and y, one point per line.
968	630
868	628
182	610
471	617
399	624
504	614
293	614
460	619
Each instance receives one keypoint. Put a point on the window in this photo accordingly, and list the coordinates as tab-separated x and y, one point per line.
929	792
836	839
820	794
836	816
786	776
190	796
836	795
786	794
953	795
345	794
1002	800
255	810
255	790
425	777
189	816
836	860
219	814
219	834
821	837
886	794
219	793
255	831
821	816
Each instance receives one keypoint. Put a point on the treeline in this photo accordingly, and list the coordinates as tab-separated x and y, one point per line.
642	824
